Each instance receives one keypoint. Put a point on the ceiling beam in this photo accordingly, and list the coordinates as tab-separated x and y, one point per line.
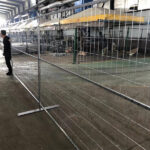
10	9
17	5
5	11
17	1
6	8
8	3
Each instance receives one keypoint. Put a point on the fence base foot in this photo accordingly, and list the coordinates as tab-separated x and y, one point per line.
36	110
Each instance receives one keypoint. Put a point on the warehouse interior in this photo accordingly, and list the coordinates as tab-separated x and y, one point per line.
80	75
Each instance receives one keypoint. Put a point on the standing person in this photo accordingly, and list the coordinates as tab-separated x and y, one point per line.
7	51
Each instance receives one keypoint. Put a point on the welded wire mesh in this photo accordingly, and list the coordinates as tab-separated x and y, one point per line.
25	58
109	48
25	68
112	51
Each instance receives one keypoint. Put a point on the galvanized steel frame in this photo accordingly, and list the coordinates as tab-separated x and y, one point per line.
84	78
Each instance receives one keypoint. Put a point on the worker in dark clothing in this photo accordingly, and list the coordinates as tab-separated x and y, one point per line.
7	51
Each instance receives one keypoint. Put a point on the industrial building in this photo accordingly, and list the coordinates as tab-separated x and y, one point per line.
81	75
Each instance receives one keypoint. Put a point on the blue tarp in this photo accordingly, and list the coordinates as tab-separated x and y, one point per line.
80	2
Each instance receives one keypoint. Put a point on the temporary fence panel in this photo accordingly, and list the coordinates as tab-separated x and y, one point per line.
95	65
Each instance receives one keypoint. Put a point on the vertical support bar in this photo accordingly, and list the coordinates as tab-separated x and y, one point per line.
39	66
29	4
19	10
26	34
15	12
23	6
11	14
126	40
112	5
75	48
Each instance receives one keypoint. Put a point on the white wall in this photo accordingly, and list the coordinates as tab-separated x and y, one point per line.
125	4
33	2
107	5
144	4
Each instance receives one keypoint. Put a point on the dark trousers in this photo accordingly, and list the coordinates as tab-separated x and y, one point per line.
7	59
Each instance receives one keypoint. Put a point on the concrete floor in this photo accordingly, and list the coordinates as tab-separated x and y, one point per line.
95	118
32	132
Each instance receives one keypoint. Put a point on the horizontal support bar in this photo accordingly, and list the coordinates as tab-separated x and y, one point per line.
36	110
49	114
132	100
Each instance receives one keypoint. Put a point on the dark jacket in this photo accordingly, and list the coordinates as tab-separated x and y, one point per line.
7	47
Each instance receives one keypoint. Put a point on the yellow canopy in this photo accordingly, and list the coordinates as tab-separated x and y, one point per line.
95	14
50	23
32	24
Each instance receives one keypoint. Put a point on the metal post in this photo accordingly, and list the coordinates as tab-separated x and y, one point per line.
75	47
126	40
26	32
39	66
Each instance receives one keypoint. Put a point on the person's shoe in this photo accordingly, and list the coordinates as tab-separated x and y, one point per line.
9	74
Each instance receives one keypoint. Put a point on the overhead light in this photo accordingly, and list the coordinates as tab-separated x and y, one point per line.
17	17
56	4
51	5
26	15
